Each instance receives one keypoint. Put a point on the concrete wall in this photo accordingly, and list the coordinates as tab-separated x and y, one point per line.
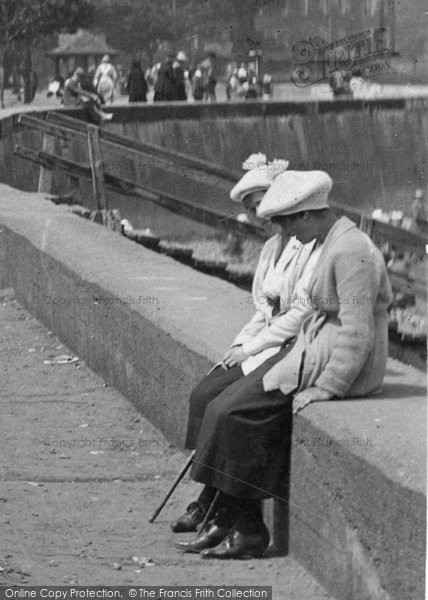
357	495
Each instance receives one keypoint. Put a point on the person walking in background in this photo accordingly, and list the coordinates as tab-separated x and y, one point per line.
240	82
56	87
231	79
267	86
181	75
242	73
197	84
339	84
209	81
122	79
357	83
166	83
105	89
105	79
152	75
136	85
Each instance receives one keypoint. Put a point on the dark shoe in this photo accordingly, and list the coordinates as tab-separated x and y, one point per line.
239	545
209	538
193	516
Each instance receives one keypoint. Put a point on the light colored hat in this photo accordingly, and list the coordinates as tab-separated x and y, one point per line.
181	56
105	58
296	191
260	176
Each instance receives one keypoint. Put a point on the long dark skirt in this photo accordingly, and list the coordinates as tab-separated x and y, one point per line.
244	443
211	386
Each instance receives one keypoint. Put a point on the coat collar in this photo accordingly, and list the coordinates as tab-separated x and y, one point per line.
341	227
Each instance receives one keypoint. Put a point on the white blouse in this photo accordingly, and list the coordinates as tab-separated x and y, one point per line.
284	285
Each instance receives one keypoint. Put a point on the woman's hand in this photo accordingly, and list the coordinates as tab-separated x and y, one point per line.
234	356
305	397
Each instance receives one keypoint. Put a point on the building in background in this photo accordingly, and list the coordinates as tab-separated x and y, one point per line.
82	49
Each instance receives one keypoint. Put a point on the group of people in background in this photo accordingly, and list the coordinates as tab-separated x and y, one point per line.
243	83
173	80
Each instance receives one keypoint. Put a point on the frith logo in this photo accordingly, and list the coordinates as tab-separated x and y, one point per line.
318	59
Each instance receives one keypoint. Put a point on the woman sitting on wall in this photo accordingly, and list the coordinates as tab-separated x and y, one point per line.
282	304
243	445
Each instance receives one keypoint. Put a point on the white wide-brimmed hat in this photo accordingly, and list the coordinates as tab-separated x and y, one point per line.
259	177
296	191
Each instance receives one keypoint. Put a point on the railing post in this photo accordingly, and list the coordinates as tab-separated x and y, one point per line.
366	225
45	176
98	181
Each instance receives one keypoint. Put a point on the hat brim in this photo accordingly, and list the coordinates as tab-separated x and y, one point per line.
253	181
294	192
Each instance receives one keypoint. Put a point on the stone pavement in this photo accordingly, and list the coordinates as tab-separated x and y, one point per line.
83	471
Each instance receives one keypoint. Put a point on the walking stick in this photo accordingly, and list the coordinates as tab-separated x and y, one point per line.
180	477
209	511
172	488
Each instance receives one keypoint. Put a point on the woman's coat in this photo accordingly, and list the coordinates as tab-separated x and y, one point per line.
346	340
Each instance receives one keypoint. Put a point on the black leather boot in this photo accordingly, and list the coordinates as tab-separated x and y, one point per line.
211	536
216	530
249	537
240	545
195	512
193	516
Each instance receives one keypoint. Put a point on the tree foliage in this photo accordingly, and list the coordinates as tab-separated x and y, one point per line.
227	19
24	22
142	25
30	19
137	27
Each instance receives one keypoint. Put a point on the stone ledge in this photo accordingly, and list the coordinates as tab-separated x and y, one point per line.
151	327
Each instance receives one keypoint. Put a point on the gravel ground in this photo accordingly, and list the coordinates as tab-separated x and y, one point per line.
83	471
